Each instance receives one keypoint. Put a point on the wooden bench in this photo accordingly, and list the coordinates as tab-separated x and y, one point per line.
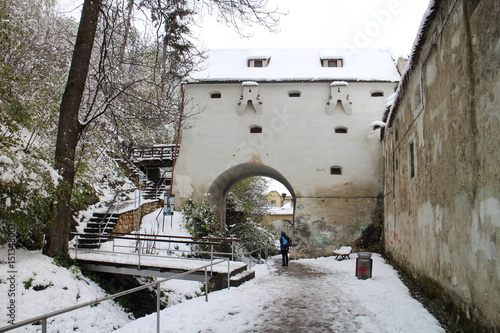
343	253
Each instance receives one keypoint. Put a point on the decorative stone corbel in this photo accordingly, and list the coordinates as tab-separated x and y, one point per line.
339	98
250	97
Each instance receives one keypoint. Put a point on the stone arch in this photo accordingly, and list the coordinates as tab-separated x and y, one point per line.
223	183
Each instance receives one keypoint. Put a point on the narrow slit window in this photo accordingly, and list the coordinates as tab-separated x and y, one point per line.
294	94
377	94
336	170
255	129
412	159
215	95
341	130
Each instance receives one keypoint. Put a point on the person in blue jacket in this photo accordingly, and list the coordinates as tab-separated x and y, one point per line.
285	243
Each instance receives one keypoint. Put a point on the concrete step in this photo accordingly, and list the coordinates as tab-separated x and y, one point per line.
239	279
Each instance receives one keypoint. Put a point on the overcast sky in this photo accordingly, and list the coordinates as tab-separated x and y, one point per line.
327	24
318	23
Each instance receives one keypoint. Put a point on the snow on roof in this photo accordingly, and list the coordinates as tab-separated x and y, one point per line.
287	209
297	64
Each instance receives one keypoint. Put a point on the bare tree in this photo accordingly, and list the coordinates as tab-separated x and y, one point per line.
84	102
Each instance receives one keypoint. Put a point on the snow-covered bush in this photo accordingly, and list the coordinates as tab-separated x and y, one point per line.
245	206
27	185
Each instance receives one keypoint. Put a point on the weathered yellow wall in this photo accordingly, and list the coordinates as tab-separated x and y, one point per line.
128	221
443	225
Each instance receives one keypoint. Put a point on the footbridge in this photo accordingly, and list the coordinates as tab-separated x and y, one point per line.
166	256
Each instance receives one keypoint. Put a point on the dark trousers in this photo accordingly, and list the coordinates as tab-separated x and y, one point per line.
284	256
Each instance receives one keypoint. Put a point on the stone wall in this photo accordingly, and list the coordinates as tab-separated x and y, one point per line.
442	184
129	221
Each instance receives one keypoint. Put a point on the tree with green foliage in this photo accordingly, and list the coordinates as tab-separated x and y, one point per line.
246	206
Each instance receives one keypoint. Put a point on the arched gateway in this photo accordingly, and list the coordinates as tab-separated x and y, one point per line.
223	183
296	119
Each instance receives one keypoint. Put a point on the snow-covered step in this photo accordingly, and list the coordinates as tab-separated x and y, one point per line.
241	278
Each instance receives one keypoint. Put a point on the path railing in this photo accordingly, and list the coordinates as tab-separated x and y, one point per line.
156	285
140	249
149	244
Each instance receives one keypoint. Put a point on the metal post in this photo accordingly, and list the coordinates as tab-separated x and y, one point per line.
211	259
158	308
206	285
139	258
76	247
228	274
44	325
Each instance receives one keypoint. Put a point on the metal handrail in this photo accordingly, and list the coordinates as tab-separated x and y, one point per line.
248	255
107	214
170	239
156	284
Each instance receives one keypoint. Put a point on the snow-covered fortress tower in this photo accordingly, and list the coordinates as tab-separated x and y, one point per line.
300	116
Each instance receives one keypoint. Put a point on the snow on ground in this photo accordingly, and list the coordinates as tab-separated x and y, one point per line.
42	287
310	295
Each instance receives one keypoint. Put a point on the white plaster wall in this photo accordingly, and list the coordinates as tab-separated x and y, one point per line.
298	137
298	141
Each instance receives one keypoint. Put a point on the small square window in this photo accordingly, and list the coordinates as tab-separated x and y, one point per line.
257	63
335	170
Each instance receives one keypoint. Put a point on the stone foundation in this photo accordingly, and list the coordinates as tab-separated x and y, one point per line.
129	221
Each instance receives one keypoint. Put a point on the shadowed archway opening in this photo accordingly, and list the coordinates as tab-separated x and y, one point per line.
226	180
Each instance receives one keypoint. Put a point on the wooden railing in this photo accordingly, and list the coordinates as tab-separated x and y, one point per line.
160	152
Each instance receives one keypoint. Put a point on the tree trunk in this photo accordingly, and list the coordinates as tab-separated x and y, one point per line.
69	129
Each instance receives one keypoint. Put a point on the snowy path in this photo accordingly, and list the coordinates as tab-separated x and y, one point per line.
311	301
310	295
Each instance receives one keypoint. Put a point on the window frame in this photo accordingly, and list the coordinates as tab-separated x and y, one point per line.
327	62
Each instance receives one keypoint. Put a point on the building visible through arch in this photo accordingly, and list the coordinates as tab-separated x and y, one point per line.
297	141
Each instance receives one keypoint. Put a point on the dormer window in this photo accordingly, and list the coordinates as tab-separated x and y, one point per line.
332	62
258	61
